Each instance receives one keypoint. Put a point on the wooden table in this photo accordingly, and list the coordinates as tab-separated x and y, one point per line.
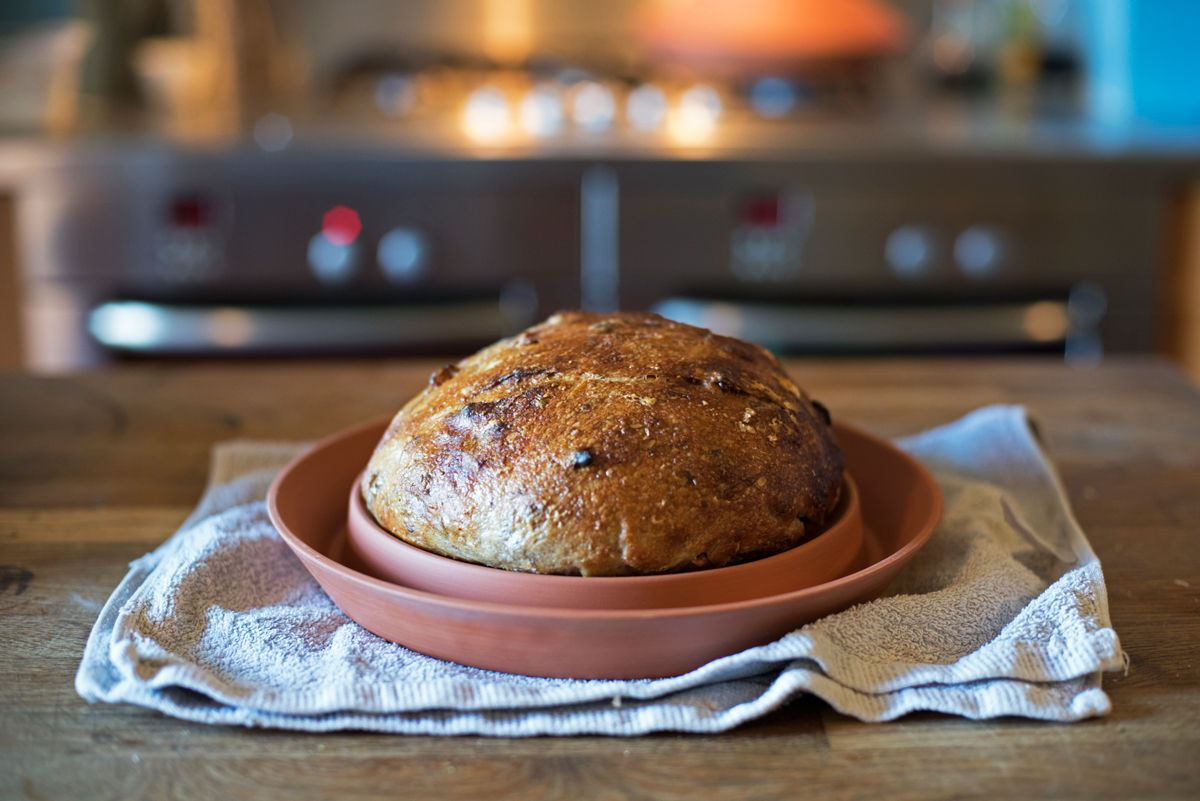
96	469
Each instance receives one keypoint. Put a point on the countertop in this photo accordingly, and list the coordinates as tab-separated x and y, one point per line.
98	468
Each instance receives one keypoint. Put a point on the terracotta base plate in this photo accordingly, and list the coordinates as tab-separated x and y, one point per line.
900	501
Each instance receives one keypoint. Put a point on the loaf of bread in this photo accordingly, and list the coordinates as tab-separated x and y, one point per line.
605	445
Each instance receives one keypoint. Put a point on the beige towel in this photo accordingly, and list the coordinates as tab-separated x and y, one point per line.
1004	612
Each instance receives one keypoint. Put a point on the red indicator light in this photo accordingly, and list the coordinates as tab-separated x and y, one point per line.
341	225
190	211
761	211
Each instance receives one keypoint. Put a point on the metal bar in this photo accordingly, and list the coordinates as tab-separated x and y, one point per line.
1038	322
599	240
164	328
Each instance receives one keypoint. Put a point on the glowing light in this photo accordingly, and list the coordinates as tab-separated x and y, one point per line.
646	107
979	251
273	132
1046	321
772	97
593	107
541	111
402	255
486	114
129	324
910	251
341	225
230	328
329	262
695	118
702	103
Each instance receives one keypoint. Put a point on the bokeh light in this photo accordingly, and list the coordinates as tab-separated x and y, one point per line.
330	263
230	328
646	108
341	225
273	132
694	120
486	115
772	97
593	107
541	111
1046	321
402	255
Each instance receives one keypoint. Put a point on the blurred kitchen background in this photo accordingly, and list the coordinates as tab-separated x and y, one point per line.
244	178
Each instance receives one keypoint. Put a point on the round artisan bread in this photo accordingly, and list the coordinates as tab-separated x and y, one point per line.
607	445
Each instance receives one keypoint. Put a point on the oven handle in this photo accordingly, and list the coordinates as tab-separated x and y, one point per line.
161	328
821	327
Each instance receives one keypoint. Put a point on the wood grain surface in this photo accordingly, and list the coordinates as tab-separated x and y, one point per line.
96	469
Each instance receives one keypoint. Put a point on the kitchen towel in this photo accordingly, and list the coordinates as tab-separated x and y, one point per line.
1003	612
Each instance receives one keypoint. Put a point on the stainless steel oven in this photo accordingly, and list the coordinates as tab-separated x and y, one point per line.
168	253
176	252
887	255
428	176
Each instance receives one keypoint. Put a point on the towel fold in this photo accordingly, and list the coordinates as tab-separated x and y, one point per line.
1004	612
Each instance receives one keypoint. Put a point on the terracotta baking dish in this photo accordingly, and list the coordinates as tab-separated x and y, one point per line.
899	501
829	555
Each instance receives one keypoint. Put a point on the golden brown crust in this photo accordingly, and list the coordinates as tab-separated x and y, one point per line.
607	445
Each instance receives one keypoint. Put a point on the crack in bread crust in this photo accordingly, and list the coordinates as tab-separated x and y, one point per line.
613	444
